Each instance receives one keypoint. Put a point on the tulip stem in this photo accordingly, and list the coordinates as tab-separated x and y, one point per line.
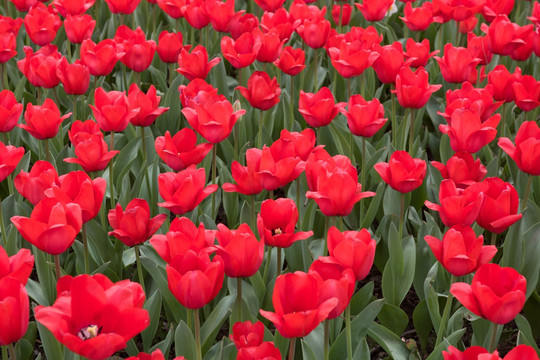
316	67
411	133
326	228
74	108
197	334
252	206
3	227
493	340
446	314
47	156
57	267
493	238
326	339
401	214
348	331
267	264
145	161
239	298
2	78
4	353
278	261
298	223
85	245
12	354
292	348
111	187
363	175
291	108
394	122
214	151
527	193
259	144
139	267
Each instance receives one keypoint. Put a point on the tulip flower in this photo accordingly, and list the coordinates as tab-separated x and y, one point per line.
320	108
195	92
402	172
15	307
94	317
122	6
351	58
462	169
182	236
220	14
9	159
278	169
412	88
297	309
281	21
242	51
138	52
196	14
267	350
261	92
502	38
277	222
479	100
526	151
247	334
43	122
291	61
147	105
112	111
502	82
51	219
496	293
156	355
341	14
184	190
247	177
353	250
10	111
492	8
92	153
458	206
17	267
500	206
459	10
173	8
364	118
194	280
419	18
10	25
480	47
82	130
526	92
32	185
8	46
457	64
270	5
24	5
240	250
294	144
40	67
100	58
242	23
79	27
134	225
75	77
41	24
389	62
196	64
522	352
374	10
169	46
181	150
72	7
314	32
460	251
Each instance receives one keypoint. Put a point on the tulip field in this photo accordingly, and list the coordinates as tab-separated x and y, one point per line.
269	179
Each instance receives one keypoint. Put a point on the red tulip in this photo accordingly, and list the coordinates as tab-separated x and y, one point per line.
278	169
291	61
341	14
526	151
502	82
522	352
112	111
184	190
247	177
270	5
277	222
271	45
40	67
314	32
195	13
300	11
139	52
319	109
156	355
75	77
52	226
10	25
265	351
220	14
402	172
320	162
17	267
43	122
147	104
472	353
335	282
462	169
182	236
524	51
496	293
195	92
169	46
8	46
41	24
9	159
374	10
23	5
413	89
294	144
500	207
364	118
468	133
502	38
240	250
279	20
460	251
10	111
458	206
15	307
100	58
72	7
181	150
492	8
419	19
122	6
92	153
194	280
479	46
479	100
389	62
457	64
94	317
459	10
134	226
353	250
246	334
242	23
32	185
296	305
242	51
213	118
79	27
173	8
196	64
535	16
526	92
83	130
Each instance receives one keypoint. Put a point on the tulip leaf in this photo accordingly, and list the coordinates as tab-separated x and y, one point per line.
153	305
164	345
307	352
531	266
514	248
362	350
422	323
45	274
282	343
374	206
258	285
184	342
393	318
158	77
213	323
398	273
525	332
362	298
23	349
452	339
314	343
390	342
359	328
431	296
128	256
51	346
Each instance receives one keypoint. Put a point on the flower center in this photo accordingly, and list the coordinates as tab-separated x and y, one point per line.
278	231
89	332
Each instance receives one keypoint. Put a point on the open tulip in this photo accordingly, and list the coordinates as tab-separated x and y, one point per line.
195	64
156	355
526	151
43	122
462	169
402	172
242	51
10	111
353	250
138	52
9	159
181	150
419	18
100	58
94	317
278	169
32	185
291	61
412	88
247	334
468	133
92	153
18	266
457	64
147	105
112	111
350	59
267	351
248	179
526	92
294	144
496	293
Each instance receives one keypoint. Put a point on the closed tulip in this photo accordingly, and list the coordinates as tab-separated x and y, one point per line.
457	64
8	46
353	250
261	92
320	108
156	355
267	351
419	18
526	92
181	150
402	172
72	7
364	118
112	111
350	59
173	8
9	159
79	27
412	88
41	24
43	122
75	77
314	32
195	64
40	67
15	307
92	153
18	266
32	185
100	58
138	52
10	111
196	14
526	151
122	6
462	169
247	178
468	133
169	46
496	293
291	61
389	62
278	169
220	13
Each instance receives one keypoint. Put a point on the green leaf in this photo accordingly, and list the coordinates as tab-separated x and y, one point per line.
184	342
362	351
45	275
391	343
525	332
23	349
422	323
452	339
313	344
307	352
213	323
393	318
153	305
164	345
362	298
373	206
53	349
